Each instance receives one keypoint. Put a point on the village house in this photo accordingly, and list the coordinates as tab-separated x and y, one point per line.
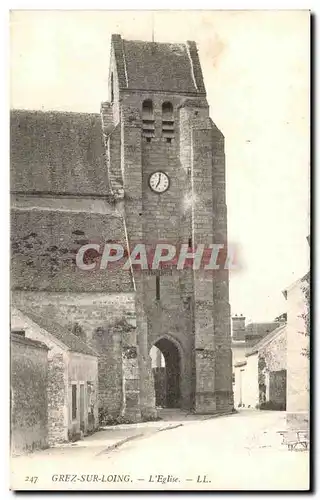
245	336
274	372
260	379
71	384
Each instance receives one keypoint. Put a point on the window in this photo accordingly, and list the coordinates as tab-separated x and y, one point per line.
167	121
157	287
167	111
74	402
147	119
147	110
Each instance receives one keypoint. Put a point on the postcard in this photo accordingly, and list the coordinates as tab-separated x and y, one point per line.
160	241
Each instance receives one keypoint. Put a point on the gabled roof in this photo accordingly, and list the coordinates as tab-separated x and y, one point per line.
266	340
154	66
68	339
57	153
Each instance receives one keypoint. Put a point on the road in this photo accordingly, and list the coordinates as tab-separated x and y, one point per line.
235	452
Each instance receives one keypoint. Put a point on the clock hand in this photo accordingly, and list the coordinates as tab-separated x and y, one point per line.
158	181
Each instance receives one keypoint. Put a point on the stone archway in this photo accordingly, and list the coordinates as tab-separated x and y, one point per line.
167	374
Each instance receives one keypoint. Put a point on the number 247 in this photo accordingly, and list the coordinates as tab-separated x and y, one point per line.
31	479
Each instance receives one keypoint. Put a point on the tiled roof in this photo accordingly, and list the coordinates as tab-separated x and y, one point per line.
260	328
71	341
154	66
57	152
266	340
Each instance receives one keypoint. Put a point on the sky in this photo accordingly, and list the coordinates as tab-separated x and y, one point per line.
256	72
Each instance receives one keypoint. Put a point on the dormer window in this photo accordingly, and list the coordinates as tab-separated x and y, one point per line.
167	121
147	119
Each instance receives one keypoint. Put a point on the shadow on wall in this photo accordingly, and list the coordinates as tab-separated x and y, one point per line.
166	372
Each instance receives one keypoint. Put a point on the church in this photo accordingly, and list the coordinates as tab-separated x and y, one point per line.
149	168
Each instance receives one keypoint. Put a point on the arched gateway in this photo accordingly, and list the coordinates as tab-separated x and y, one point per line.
166	368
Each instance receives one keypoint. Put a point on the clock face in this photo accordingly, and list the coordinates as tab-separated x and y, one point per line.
159	182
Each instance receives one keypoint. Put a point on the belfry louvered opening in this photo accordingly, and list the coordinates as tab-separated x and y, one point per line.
167	121
147	119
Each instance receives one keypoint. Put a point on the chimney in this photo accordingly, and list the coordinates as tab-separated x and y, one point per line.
18	331
238	327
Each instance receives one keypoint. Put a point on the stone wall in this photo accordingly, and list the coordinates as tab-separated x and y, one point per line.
274	352
57	397
29	403
45	242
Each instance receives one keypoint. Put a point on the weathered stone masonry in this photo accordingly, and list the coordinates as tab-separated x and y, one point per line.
29	407
193	311
88	182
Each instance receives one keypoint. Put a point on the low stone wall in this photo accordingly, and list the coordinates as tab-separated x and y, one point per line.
29	375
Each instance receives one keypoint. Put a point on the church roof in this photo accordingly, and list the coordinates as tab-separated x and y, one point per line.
57	153
154	66
61	154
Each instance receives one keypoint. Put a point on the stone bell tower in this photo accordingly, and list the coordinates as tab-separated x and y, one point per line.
166	170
